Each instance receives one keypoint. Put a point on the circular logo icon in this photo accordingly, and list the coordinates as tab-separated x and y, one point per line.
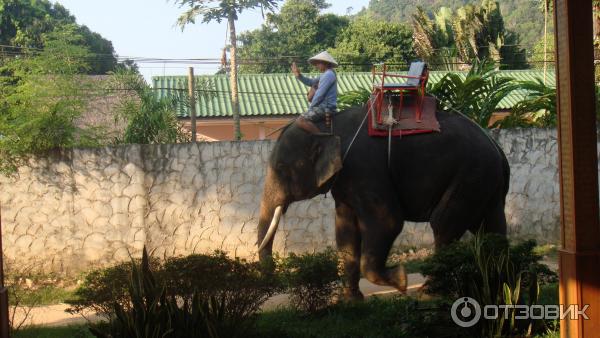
466	312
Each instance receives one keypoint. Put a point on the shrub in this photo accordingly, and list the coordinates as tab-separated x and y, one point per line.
150	313
101	288
192	290
311	279
234	286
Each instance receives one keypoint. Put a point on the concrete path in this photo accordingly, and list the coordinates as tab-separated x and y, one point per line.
55	315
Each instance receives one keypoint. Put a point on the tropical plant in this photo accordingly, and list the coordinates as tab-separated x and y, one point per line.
537	109
219	10
475	95
493	272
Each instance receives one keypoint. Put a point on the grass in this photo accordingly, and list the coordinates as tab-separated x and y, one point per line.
46	295
54	332
376	317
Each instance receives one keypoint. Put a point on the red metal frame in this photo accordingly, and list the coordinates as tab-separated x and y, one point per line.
418	90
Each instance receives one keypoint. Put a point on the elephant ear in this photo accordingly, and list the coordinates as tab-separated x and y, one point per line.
328	160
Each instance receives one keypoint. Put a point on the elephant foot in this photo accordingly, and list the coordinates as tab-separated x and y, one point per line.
399	278
352	295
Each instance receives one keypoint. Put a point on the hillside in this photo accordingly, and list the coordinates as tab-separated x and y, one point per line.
521	16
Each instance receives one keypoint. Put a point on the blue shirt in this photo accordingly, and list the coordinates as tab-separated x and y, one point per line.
326	94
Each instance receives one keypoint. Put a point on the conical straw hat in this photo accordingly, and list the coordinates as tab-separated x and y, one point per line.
324	56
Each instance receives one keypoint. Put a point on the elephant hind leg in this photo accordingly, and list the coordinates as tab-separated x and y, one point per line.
457	212
494	220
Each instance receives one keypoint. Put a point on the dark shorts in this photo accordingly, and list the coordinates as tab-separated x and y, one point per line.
317	114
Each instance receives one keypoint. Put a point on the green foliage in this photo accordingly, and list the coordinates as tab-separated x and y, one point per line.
477	95
492	272
353	98
366	41
150	119
218	10
311	279
41	96
298	32
27	24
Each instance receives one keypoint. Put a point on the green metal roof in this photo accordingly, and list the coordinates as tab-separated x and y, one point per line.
281	94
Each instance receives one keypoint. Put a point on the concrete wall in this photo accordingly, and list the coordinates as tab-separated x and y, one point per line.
86	207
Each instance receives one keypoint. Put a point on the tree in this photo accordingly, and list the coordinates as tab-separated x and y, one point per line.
472	32
520	16
366	41
41	96
297	32
26	24
219	10
434	39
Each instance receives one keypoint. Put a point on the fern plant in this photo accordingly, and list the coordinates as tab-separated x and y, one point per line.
353	98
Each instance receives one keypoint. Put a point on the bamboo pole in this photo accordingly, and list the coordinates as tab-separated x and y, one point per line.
192	94
4	324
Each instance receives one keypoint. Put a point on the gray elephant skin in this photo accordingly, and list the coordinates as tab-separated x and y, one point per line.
456	180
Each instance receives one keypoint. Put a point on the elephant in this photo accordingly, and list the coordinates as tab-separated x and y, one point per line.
456	179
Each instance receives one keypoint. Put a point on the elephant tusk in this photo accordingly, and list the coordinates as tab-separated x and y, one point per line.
272	228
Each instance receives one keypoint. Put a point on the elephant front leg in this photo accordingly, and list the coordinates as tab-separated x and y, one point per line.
348	242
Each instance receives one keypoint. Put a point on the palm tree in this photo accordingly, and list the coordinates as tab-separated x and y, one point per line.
219	10
475	95
547	8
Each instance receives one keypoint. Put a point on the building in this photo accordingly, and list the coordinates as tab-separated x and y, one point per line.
269	101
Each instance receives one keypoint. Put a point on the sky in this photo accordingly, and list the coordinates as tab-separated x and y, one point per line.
146	28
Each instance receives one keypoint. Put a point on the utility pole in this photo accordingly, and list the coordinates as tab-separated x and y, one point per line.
192	94
4	325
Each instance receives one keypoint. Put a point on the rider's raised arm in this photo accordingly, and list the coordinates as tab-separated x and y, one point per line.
308	81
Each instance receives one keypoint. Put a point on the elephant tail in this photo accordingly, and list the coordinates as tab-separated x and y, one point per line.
506	173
